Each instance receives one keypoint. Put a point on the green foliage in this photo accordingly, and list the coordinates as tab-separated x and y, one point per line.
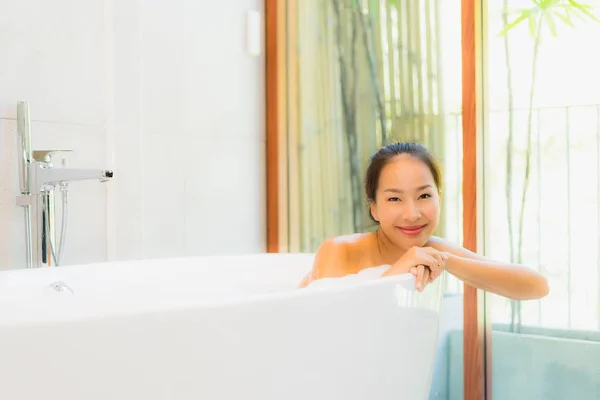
542	13
547	12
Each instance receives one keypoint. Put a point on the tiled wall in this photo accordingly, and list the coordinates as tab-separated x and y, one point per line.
165	94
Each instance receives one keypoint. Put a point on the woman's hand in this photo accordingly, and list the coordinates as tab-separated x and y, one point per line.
423	276
425	263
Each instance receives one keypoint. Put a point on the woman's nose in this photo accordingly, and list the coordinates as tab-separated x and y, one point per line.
411	212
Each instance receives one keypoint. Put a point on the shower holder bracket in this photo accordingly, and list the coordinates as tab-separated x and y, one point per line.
24	200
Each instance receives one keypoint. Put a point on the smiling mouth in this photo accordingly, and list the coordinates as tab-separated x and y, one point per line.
411	230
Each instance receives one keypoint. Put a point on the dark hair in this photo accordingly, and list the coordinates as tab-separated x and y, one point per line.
386	154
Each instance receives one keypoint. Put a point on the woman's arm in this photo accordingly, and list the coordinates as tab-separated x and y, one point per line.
509	280
330	260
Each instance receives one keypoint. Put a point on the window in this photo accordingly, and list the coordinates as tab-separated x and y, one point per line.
542	193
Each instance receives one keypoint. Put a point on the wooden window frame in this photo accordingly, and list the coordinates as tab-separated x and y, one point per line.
477	330
477	333
274	67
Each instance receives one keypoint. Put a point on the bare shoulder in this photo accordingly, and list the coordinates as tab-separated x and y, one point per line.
335	254
334	257
449	247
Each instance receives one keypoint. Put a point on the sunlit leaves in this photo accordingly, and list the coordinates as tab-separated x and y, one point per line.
545	13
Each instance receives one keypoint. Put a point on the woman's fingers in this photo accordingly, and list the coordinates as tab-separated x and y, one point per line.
426	275
419	277
434	264
440	261
422	277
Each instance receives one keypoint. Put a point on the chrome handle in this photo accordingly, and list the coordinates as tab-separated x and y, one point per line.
60	285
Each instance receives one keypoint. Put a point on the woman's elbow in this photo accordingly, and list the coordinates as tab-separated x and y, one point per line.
544	287
536	287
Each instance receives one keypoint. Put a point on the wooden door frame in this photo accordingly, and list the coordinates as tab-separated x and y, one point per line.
273	69
477	331
477	338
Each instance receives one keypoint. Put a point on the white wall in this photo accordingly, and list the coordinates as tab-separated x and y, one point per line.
165	94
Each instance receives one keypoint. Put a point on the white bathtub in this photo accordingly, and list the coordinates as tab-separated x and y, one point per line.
230	327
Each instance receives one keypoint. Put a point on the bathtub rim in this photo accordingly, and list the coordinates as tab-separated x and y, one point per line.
391	283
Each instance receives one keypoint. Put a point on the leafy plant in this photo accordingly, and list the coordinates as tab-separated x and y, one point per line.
348	86
354	18
542	14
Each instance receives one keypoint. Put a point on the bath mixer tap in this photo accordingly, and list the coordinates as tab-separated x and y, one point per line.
41	175
38	179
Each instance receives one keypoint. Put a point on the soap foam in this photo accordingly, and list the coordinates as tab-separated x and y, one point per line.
363	275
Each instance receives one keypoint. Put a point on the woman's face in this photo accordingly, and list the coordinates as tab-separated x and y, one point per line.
407	202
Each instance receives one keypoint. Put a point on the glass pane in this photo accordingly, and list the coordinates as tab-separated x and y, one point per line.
360	75
542	196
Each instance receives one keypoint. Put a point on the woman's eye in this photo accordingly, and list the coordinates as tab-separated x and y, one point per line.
425	196
393	199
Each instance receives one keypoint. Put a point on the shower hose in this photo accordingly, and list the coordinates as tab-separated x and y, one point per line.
63	226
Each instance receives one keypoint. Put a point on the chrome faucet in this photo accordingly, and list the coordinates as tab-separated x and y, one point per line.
41	174
38	179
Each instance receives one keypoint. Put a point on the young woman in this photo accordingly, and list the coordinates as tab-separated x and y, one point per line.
403	188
